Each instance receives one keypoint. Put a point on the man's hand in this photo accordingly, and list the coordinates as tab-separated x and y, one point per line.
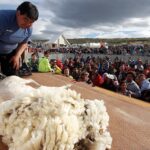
15	60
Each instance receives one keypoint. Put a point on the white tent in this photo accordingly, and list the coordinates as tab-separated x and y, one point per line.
56	42
62	41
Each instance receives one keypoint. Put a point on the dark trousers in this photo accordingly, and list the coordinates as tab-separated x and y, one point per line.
7	67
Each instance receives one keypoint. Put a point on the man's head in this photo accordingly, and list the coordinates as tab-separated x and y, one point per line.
130	76
27	13
141	77
33	56
123	85
46	54
66	72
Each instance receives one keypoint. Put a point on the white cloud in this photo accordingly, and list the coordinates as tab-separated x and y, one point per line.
39	26
57	18
8	2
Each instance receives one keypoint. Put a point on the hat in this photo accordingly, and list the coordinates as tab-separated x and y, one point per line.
110	76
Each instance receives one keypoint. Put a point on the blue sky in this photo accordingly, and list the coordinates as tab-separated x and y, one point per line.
89	18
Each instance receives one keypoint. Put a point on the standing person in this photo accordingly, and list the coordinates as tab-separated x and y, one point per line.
15	31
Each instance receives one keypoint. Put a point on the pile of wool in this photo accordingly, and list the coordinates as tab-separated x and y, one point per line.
14	86
54	118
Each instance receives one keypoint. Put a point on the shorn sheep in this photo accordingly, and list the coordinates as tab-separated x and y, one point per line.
51	118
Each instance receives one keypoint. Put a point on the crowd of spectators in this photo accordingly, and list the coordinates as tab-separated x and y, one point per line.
131	78
140	50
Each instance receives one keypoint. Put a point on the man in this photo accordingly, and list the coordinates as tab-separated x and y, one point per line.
15	30
132	85
144	84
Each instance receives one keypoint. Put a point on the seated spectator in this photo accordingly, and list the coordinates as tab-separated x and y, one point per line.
122	73
143	82
123	89
55	68
66	63
145	87
33	63
44	65
67	73
105	65
147	71
85	77
75	74
110	82
97	79
132	85
139	65
59	64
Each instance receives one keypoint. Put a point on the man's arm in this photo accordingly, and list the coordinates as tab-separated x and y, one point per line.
16	58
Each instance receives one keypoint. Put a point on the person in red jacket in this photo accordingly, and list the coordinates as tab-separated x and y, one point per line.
97	79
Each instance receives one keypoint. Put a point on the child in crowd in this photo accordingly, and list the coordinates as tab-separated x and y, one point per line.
123	89
44	65
33	63
54	67
67	72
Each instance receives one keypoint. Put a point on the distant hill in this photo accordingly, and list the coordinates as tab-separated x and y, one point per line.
116	41
38	40
111	41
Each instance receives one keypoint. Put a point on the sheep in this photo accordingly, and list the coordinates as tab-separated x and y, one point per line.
53	118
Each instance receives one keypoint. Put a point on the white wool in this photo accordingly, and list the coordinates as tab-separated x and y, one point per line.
13	86
52	118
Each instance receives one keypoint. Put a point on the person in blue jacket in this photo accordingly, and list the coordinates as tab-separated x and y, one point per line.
15	31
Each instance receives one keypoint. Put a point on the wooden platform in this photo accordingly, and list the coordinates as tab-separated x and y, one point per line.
129	118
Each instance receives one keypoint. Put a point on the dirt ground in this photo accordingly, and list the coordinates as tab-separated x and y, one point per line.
129	123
